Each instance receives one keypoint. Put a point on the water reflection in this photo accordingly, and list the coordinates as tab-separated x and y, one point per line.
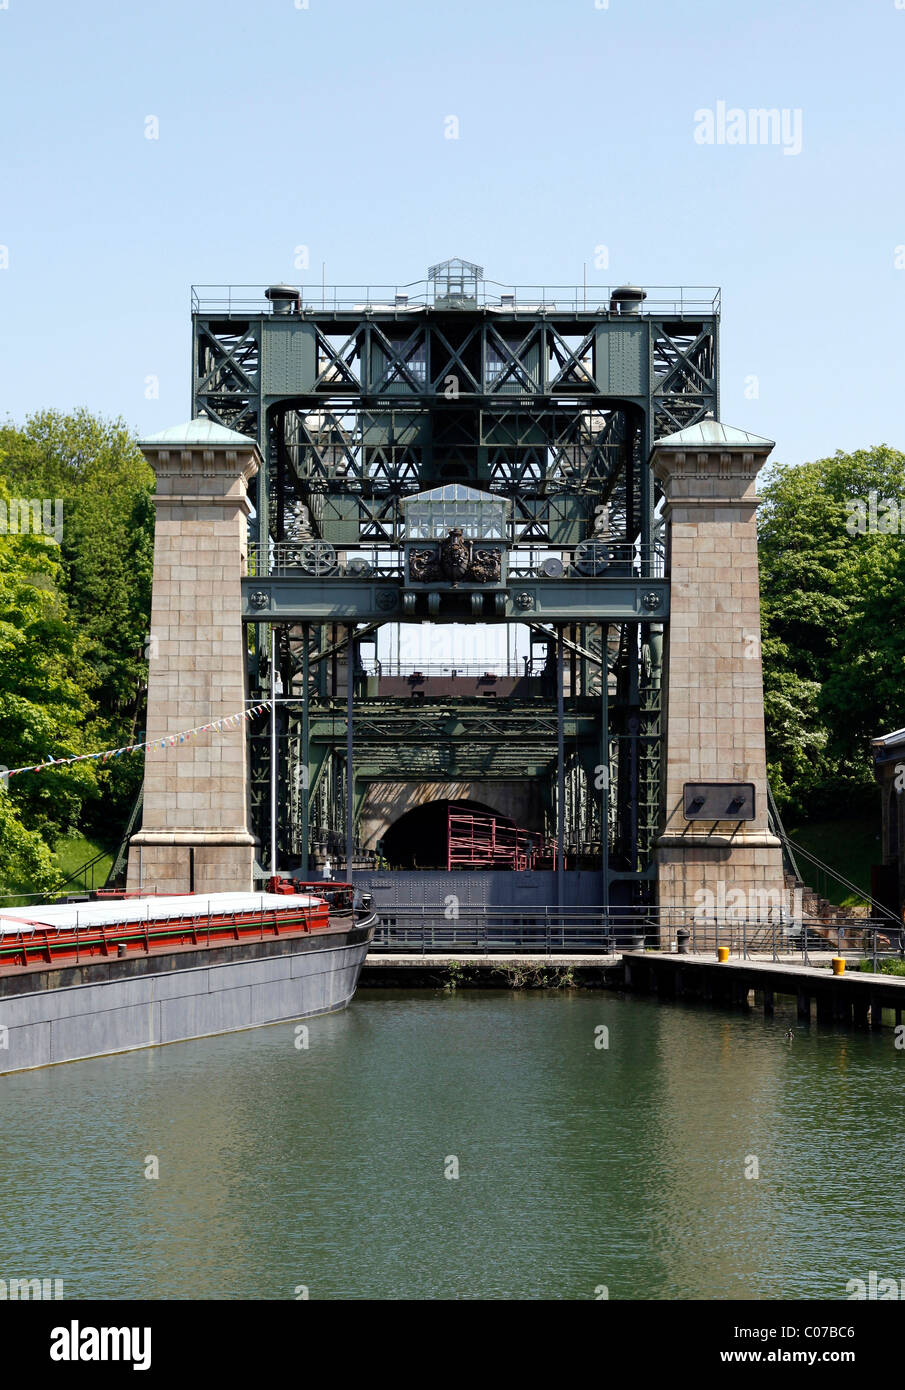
579	1166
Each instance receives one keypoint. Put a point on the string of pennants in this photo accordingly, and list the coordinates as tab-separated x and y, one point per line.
229	721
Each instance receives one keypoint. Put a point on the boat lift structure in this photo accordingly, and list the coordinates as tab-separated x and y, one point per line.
457	451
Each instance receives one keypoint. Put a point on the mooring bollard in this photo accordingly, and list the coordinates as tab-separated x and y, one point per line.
838	964
722	954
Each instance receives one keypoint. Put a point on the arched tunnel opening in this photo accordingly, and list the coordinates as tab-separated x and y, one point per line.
418	839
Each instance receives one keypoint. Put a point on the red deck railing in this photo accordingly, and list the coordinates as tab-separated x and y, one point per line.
72	944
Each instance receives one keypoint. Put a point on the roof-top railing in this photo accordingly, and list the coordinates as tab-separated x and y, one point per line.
690	301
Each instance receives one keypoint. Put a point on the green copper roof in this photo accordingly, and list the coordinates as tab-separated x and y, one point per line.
712	434
200	431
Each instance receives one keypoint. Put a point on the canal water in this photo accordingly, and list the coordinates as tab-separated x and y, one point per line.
601	1146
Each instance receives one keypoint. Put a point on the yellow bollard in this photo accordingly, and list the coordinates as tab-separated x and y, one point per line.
838	963
722	954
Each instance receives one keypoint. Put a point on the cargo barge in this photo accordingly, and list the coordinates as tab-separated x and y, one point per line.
111	975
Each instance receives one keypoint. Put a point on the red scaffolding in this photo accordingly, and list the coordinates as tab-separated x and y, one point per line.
484	840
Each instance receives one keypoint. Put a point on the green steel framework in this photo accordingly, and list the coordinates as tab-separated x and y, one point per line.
549	398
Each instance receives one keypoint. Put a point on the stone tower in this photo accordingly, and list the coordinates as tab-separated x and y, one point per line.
194	833
714	711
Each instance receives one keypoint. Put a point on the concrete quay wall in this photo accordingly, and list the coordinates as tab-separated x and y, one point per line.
857	999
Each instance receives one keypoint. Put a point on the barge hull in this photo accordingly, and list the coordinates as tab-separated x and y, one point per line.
68	1014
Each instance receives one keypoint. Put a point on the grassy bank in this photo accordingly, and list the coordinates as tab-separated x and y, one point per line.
75	851
70	857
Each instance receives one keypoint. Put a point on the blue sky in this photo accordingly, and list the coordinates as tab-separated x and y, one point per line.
281	126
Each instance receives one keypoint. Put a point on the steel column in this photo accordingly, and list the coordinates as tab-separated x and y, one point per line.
274	777
560	772
605	759
352	650
306	761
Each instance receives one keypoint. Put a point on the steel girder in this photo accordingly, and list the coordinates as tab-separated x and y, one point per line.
341	599
437	740
527	354
684	375
226	384
373	405
534	357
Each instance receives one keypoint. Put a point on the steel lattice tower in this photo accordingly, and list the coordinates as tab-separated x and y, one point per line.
543	399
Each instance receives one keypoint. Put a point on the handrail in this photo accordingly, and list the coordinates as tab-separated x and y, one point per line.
557	930
617	559
404	299
776	824
845	882
88	864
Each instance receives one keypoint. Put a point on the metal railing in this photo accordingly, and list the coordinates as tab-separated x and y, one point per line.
77	880
879	910
594	930
291	558
593	558
661	300
490	671
541	931
810	941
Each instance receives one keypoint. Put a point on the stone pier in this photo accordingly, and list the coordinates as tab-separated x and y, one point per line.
714	686
194	833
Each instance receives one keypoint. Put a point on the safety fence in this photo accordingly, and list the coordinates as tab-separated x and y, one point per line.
597	930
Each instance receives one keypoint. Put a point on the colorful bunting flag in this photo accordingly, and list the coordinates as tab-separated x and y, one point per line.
229	721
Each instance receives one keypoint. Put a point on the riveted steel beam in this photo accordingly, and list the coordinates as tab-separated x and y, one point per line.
339	599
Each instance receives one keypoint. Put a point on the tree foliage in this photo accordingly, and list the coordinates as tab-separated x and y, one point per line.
74	616
106	549
43	706
832	609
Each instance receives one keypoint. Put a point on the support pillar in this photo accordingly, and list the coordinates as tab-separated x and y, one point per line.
561	772
195	814
825	1006
306	757
351	659
605	766
714	716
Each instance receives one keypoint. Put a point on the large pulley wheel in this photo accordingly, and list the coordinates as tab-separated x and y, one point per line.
647	665
592	557
315	557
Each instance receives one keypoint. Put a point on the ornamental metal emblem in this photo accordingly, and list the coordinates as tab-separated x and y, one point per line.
524	600
387	600
259	598
453	560
651	600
